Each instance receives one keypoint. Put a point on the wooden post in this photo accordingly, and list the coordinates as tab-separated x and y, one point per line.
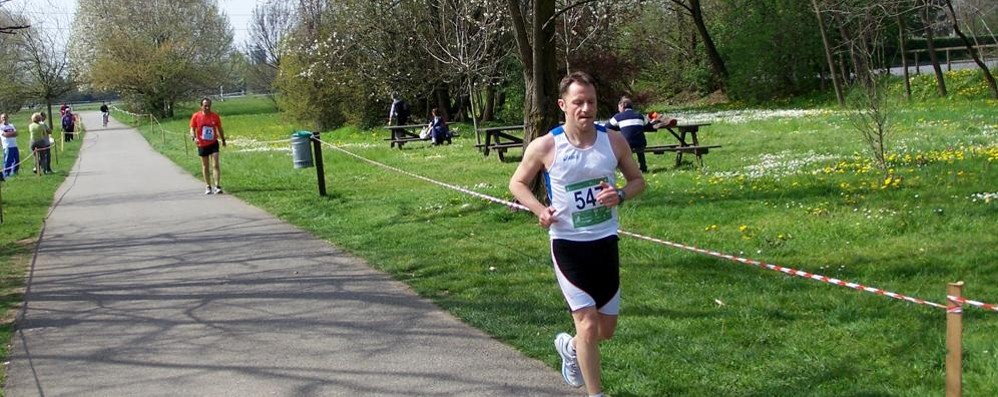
954	341
319	169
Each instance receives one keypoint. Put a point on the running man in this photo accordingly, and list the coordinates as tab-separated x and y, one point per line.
206	130
579	160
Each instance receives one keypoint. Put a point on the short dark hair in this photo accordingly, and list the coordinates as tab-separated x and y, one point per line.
625	102
582	78
204	99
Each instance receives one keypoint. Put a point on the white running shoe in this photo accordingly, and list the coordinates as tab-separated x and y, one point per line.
207	190
569	362
218	189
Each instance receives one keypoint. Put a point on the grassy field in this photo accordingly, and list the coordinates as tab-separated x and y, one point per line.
790	187
26	200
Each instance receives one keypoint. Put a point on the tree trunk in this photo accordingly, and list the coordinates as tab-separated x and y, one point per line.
973	53
488	113
828	54
848	39
904	58
441	100
843	70
540	73
716	63
931	43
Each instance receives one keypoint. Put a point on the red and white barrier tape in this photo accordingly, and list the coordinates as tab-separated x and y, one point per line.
790	271
435	182
964	301
785	270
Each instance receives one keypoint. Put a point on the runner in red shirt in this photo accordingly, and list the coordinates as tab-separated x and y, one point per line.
206	130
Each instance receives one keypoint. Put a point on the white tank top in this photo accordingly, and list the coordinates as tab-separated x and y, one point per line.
573	183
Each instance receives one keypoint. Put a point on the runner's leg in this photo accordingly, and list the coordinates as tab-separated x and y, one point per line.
217	169
205	171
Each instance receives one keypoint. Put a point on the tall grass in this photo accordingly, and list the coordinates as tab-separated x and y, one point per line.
795	190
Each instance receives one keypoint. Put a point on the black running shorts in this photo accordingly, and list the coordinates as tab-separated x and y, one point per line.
208	150
588	273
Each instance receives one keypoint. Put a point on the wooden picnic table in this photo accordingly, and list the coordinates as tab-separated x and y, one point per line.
400	134
689	142
496	139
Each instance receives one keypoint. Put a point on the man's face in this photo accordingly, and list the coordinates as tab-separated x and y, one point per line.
206	106
579	105
3	118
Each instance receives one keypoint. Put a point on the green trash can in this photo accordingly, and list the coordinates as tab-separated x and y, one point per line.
301	149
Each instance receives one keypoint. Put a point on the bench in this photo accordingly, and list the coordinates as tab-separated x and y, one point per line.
693	147
500	148
703	149
698	151
657	149
499	141
400	134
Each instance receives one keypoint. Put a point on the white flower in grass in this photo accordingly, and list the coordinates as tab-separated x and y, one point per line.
986	197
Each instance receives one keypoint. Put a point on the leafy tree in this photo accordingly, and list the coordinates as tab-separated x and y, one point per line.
348	56
155	53
774	48
12	74
271	24
468	41
695	10
46	67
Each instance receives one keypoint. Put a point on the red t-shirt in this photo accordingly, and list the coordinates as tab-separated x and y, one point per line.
206	128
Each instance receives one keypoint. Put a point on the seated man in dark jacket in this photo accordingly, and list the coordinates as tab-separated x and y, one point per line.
633	125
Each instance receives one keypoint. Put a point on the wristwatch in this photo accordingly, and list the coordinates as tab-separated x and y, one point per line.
621	195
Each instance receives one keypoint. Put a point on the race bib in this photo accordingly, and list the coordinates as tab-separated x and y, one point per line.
207	133
586	211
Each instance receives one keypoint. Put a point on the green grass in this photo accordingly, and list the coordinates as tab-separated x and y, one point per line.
26	201
795	191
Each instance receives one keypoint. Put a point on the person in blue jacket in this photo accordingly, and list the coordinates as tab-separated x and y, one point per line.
633	126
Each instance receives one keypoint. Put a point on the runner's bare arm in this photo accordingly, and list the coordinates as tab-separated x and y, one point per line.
635	182
533	162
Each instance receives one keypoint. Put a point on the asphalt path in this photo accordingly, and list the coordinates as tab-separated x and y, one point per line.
144	286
